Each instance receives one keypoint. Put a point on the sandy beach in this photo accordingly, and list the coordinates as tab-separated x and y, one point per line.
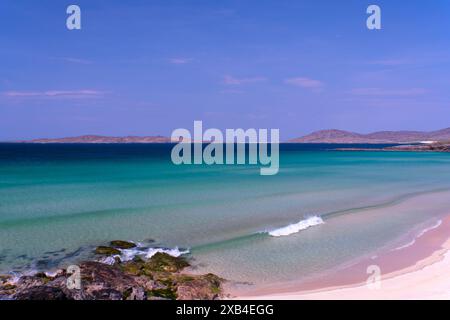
417	270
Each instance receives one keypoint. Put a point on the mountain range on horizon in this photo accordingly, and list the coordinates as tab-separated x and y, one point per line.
103	139
341	136
321	136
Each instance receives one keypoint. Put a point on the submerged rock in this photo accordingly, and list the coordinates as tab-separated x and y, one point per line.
107	251
120	244
159	263
163	262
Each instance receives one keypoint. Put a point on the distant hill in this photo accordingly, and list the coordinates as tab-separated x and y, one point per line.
323	136
104	139
340	136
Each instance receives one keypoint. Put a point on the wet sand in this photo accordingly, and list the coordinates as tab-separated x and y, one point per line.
416	270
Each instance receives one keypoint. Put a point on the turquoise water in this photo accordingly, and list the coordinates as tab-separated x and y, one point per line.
58	201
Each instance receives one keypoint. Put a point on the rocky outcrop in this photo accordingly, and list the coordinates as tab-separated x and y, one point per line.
41	293
433	147
114	247
120	244
206	287
160	277
108	251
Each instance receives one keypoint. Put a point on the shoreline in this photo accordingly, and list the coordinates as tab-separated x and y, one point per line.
415	248
416	270
413	268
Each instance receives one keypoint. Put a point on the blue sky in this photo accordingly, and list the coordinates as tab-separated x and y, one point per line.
149	67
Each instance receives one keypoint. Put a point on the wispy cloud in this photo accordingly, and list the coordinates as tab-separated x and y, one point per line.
75	60
306	83
230	80
180	60
388	92
391	62
80	94
231	91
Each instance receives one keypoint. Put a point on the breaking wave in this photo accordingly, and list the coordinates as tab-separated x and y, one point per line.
129	254
297	227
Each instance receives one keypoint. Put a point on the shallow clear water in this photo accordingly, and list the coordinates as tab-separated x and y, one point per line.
56	199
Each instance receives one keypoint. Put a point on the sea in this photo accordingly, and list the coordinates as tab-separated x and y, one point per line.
323	209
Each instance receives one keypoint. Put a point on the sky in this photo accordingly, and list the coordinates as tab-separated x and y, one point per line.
148	67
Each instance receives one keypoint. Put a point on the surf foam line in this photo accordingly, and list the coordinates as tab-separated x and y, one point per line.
257	236
297	227
326	216
129	254
392	202
420	234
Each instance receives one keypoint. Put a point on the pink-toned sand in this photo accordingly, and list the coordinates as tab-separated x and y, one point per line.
418	271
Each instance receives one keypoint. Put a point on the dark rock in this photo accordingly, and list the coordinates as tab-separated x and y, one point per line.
41	293
119	244
4	278
167	293
135	294
162	262
432	147
104	282
157	278
204	287
99	274
108	251
134	268
106	294
27	282
7	289
41	275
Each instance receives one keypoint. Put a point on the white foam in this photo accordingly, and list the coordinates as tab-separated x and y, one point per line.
409	244
420	234
110	260
296	227
436	225
52	274
171	252
15	278
129	254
